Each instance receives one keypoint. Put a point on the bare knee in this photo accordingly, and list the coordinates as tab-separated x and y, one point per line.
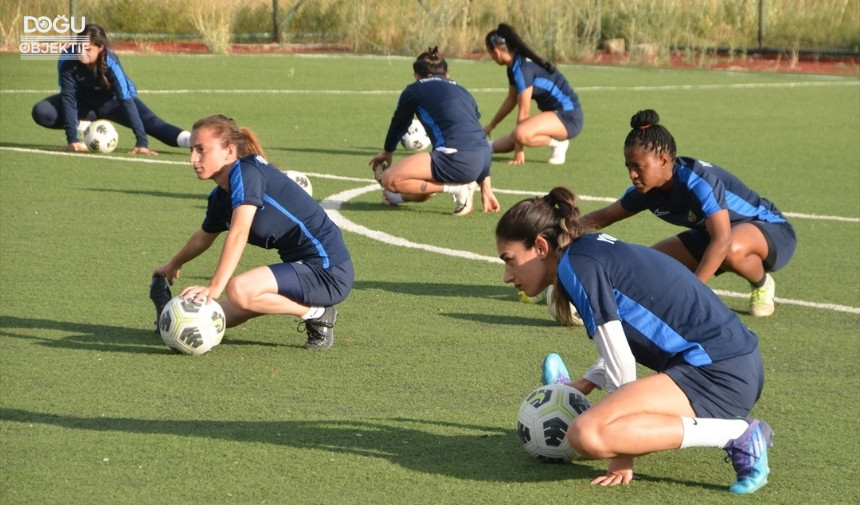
238	296
584	436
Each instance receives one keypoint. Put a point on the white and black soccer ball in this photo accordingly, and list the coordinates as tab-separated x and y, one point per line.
191	328
574	315
544	417
101	136
300	179
415	138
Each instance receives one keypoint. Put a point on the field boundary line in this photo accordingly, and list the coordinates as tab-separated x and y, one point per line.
580	89
586	198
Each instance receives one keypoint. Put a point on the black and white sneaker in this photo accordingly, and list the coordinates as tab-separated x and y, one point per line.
321	330
159	293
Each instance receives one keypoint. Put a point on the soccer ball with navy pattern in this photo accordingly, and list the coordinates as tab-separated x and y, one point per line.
191	328
544	417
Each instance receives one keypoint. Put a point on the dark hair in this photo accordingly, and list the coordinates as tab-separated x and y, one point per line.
505	35
650	134
98	38
228	132
430	62
555	217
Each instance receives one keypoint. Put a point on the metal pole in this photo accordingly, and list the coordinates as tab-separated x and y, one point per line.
761	24
276	26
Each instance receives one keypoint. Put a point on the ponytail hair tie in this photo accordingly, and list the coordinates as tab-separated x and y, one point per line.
645	126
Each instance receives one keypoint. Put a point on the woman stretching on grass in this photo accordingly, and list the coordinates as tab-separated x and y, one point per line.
95	86
731	227
640	306
532	77
255	203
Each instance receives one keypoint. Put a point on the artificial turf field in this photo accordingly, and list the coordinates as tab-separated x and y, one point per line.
416	402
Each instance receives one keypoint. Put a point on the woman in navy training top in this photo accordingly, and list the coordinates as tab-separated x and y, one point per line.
255	203
94	86
731	227
531	77
460	156
640	306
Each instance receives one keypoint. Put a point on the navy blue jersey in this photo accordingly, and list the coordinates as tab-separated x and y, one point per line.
667	313
551	91
80	84
699	190
287	218
447	111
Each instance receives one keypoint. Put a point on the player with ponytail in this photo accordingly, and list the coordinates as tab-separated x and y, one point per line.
530	76
640	306
731	227
255	203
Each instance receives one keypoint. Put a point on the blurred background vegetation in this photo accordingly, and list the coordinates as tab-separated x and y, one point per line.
561	30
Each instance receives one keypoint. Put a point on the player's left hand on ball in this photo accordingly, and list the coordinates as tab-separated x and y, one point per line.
143	150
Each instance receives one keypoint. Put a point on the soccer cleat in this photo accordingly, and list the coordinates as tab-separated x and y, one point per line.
748	454
320	330
159	293
464	199
554	371
761	299
558	154
377	172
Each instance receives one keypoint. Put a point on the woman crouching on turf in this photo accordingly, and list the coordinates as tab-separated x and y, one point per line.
731	227
640	306
255	203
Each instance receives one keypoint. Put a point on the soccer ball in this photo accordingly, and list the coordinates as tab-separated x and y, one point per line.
191	328
544	417
415	138
574	315
101	136
300	179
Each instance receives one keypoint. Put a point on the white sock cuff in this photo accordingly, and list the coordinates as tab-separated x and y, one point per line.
707	432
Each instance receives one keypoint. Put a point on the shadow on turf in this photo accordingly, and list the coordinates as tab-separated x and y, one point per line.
486	454
99	337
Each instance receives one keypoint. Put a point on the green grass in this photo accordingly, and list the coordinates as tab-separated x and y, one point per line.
417	400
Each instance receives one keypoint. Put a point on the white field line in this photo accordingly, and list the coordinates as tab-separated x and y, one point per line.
581	89
333	203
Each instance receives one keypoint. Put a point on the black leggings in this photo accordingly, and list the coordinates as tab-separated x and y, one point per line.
49	113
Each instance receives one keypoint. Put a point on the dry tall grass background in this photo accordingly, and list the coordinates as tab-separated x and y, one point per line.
562	30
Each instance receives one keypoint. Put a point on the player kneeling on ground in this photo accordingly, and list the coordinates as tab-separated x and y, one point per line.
460	157
255	203
640	306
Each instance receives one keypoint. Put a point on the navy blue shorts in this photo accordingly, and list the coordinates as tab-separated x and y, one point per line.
723	390
314	285
460	167
572	121
781	243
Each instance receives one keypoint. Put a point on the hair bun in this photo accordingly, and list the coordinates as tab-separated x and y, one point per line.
644	119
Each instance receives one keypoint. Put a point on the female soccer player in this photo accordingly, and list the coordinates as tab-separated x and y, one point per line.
255	203
94	86
640	306
731	227
460	155
532	77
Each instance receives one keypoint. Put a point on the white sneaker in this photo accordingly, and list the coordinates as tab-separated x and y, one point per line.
464	200
386	200
377	172
761	299
558	153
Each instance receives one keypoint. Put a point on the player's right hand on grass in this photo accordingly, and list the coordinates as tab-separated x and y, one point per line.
76	147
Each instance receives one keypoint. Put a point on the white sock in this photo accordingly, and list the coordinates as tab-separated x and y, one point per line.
491	144
313	313
83	124
705	432
451	189
394	198
184	139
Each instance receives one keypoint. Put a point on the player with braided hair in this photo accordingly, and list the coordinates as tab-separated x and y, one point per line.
731	227
530	77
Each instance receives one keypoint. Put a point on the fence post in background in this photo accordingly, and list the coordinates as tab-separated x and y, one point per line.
73	4
276	27
761	24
